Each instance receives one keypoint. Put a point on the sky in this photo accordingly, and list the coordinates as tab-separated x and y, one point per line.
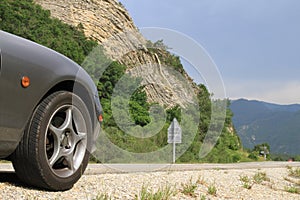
255	44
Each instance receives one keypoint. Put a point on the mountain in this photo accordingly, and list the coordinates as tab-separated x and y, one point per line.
258	122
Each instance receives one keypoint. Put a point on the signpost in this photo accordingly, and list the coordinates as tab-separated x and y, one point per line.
174	135
264	152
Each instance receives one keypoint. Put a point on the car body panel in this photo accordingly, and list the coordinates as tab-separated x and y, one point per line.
45	68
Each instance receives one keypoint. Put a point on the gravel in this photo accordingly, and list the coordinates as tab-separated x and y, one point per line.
227	183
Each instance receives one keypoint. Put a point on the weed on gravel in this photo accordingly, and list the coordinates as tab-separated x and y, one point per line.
294	172
201	180
162	193
247	182
189	188
257	178
293	179
102	197
212	190
292	189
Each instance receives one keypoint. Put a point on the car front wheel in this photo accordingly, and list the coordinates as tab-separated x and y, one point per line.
53	152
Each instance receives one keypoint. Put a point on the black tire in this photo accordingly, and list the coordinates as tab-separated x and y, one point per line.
52	153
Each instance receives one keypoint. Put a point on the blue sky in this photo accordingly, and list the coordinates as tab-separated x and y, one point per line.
254	43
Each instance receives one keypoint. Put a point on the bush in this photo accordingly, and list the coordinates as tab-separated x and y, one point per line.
253	156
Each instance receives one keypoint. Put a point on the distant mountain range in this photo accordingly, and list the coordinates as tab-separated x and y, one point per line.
258	122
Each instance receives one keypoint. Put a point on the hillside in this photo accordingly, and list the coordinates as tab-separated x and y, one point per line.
109	23
258	122
74	28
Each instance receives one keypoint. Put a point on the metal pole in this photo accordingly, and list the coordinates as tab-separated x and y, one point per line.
173	150
265	152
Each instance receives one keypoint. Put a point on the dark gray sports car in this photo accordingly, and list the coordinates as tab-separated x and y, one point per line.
49	114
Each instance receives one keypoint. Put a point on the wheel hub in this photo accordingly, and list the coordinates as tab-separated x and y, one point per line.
65	141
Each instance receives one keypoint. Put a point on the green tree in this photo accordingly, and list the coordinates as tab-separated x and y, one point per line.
29	20
260	150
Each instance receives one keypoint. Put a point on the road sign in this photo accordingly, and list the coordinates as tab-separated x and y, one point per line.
174	132
174	136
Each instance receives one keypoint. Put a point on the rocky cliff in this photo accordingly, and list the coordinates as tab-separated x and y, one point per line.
108	22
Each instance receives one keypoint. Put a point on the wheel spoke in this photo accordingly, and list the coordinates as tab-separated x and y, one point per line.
79	137
70	161
57	132
56	156
68	121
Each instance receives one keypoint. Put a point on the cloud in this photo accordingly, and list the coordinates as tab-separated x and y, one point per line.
272	91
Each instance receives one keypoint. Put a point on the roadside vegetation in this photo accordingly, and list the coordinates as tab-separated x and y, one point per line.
193	189
162	193
189	188
257	153
199	188
257	178
293	179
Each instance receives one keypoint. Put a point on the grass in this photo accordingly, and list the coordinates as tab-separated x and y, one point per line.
201	181
103	197
292	189
212	190
189	188
259	177
164	193
247	182
202	197
294	173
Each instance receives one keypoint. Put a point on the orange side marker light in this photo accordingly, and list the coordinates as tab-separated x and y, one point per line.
100	118
25	81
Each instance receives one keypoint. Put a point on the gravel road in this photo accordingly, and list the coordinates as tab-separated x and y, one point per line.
210	182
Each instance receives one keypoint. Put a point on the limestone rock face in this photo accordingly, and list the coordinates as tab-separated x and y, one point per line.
109	23
100	18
